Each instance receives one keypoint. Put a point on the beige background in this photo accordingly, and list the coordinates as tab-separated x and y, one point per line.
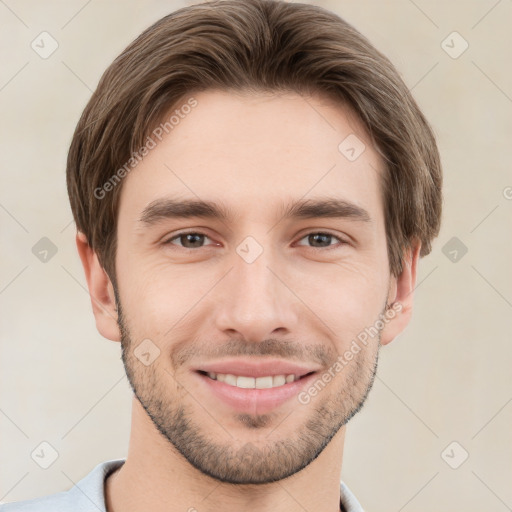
447	378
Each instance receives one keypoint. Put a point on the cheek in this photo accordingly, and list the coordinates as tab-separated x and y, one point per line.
346	297
160	297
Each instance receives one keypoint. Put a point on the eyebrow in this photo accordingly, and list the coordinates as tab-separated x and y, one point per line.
328	207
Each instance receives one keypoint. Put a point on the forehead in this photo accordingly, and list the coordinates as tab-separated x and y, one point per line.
257	151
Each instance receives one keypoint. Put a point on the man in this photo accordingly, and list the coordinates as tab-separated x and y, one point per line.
253	186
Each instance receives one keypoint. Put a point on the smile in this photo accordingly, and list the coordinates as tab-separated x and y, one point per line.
264	382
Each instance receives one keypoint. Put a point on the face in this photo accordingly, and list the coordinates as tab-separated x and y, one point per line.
264	290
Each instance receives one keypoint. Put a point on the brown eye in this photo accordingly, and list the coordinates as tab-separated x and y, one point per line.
319	240
189	240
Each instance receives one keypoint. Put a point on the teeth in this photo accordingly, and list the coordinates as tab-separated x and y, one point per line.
245	382
253	382
279	380
230	379
263	382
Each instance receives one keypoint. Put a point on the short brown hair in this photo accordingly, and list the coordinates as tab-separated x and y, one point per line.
254	45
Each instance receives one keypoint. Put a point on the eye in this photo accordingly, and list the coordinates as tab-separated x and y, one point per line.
190	239
323	239
195	240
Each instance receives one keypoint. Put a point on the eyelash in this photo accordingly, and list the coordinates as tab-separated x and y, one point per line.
328	248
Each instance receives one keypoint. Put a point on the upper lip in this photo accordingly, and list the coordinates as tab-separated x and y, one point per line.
253	368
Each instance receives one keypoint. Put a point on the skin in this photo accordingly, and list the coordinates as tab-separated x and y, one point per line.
253	152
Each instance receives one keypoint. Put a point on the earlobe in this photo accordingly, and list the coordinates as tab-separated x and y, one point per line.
100	290
401	297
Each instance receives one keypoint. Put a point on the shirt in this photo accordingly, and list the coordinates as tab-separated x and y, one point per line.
88	495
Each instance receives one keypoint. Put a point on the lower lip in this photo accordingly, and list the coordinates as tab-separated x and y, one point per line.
254	401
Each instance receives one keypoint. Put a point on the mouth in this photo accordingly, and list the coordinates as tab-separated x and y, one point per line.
262	382
253	395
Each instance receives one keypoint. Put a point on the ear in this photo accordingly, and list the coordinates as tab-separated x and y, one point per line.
401	293
101	291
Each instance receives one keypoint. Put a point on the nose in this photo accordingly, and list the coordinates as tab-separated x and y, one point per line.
255	301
